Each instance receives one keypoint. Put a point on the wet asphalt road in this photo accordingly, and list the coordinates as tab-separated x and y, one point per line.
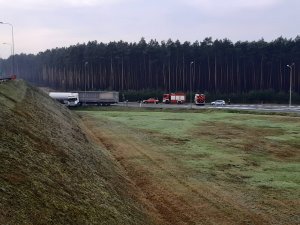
250	107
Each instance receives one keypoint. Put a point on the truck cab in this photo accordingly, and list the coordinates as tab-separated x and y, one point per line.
199	99
174	98
67	98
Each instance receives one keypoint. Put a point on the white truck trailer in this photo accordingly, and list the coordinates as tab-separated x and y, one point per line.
98	97
67	98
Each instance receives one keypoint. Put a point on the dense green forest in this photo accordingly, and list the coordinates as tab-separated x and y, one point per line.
209	66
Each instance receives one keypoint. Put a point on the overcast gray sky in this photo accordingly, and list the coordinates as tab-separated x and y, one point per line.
46	24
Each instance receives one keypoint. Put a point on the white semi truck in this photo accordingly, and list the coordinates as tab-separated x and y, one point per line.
67	98
86	97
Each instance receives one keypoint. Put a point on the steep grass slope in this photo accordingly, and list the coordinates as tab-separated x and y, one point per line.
50	172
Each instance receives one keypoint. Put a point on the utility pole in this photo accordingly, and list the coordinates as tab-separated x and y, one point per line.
191	63
291	73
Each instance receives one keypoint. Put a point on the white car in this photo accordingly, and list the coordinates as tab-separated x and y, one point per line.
218	102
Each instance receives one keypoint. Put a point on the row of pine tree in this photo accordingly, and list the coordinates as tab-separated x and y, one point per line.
215	66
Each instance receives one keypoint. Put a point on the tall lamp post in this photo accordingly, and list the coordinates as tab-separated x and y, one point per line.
4	43
13	45
191	63
291	73
85	76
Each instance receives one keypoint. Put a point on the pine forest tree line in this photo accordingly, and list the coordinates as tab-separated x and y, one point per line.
215	66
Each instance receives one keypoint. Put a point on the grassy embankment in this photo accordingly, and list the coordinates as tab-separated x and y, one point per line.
250	160
51	172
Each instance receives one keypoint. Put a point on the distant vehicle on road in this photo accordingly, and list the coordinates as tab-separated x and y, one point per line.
174	98
67	98
199	99
6	78
151	101
218	102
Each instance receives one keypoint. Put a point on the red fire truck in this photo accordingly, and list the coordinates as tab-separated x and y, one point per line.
174	98
199	99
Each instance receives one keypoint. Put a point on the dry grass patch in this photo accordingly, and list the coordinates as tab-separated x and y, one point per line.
249	139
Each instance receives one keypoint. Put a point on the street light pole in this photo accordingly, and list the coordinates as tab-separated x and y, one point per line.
191	63
291	73
13	45
85	75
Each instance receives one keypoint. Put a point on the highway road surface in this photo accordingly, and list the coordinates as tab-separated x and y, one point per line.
252	107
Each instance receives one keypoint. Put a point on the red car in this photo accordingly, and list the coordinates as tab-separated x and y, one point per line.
151	100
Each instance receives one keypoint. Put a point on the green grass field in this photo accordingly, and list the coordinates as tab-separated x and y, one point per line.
214	166
257	150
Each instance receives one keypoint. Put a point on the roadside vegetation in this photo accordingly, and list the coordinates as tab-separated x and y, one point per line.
243	167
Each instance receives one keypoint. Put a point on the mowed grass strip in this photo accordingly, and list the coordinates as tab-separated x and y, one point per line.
257	151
